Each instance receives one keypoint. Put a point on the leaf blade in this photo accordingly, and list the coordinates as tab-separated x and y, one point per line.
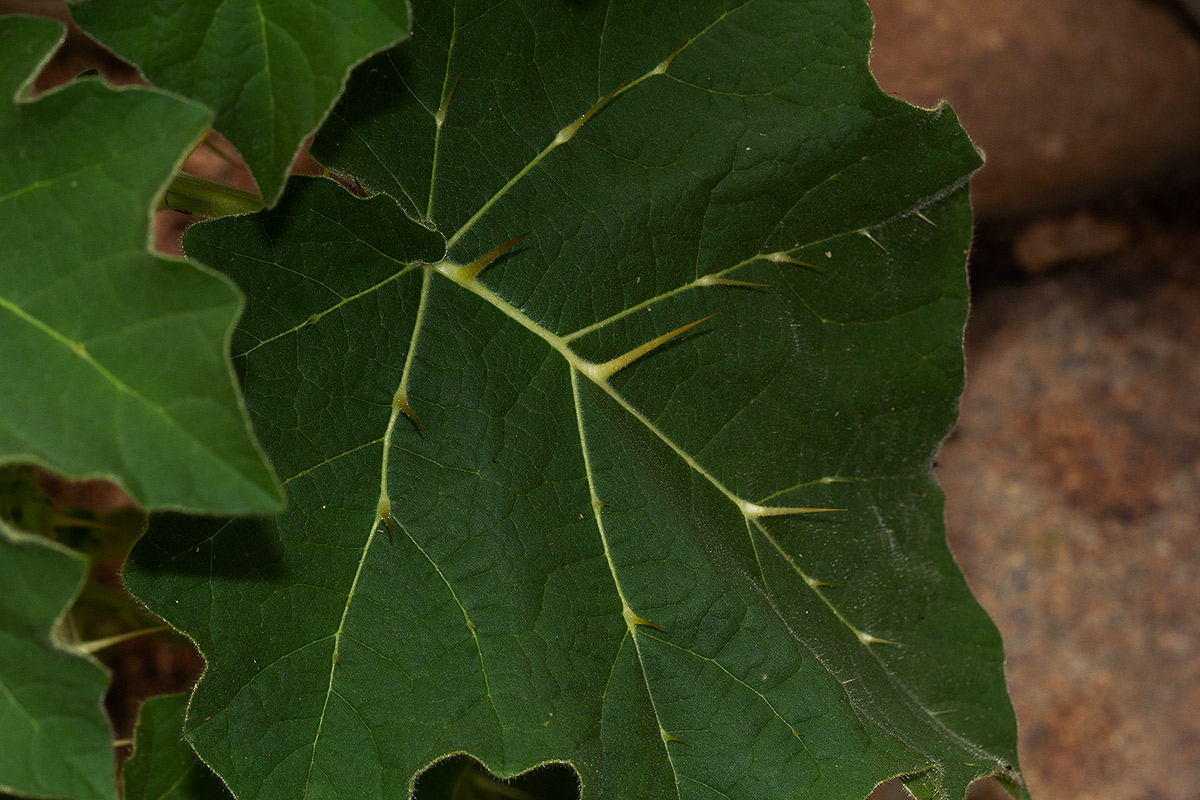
544	513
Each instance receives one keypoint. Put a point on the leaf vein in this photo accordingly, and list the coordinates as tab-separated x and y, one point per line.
628	613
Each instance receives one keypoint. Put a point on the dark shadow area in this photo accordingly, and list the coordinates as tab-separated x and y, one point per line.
181	544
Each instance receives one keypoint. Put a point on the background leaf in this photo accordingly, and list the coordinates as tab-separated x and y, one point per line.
563	562
54	734
270	69
115	361
163	766
461	778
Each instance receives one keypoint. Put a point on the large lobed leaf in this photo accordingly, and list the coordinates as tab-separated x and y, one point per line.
54	736
270	69
114	361
620	570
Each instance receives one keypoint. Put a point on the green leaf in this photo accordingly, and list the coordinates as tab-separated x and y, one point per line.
163	766
576	556
115	361
54	734
270	69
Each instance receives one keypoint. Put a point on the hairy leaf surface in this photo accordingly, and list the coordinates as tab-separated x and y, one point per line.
114	361
711	567
54	736
270	69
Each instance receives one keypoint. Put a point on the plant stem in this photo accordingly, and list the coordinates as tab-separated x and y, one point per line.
66	521
198	197
108	641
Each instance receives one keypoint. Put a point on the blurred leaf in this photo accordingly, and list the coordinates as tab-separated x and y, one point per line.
270	70
115	361
54	736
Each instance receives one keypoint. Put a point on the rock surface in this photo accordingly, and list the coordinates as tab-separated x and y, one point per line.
1073	499
1048	243
1071	100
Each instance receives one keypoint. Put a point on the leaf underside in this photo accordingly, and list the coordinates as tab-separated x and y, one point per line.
505	538
114	361
269	69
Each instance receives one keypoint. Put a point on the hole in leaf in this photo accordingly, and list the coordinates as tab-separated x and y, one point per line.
462	777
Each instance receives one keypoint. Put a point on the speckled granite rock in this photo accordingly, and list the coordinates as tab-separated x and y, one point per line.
1070	99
